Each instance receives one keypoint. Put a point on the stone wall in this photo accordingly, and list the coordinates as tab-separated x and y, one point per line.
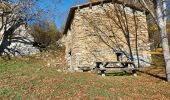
95	36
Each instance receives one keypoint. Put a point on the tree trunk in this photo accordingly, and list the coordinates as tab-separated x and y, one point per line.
136	38
161	12
5	40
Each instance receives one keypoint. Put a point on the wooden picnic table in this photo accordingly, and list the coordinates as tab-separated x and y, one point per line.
103	66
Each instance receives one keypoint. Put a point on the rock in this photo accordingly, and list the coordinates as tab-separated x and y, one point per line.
59	70
22	43
48	65
135	75
103	75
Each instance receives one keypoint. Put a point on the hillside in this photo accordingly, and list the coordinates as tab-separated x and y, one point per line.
40	77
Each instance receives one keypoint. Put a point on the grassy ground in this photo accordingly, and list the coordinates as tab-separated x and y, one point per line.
32	78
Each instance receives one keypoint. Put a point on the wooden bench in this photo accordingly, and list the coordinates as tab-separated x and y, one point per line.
103	66
85	68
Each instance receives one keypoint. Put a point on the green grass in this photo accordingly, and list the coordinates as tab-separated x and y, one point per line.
15	95
29	79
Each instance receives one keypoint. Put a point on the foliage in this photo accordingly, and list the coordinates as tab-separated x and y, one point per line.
154	34
160	17
16	14
45	35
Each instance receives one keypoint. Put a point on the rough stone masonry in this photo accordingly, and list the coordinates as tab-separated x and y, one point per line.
94	32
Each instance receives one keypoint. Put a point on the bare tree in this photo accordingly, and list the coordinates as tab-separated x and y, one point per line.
160	17
119	27
16	14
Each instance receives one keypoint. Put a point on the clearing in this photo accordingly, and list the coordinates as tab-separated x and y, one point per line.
40	77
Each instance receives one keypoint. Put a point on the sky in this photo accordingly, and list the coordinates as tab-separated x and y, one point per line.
64	8
58	10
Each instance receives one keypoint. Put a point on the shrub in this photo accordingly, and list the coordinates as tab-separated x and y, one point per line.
45	35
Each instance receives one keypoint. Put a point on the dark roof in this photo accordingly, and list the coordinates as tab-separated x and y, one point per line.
74	8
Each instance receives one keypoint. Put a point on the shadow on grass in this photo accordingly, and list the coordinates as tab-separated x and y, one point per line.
153	75
122	73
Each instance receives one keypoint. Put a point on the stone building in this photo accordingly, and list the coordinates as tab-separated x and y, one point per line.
97	31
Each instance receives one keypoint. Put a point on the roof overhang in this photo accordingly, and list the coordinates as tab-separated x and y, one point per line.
74	8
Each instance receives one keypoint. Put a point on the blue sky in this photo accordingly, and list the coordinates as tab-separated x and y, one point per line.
63	9
58	11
